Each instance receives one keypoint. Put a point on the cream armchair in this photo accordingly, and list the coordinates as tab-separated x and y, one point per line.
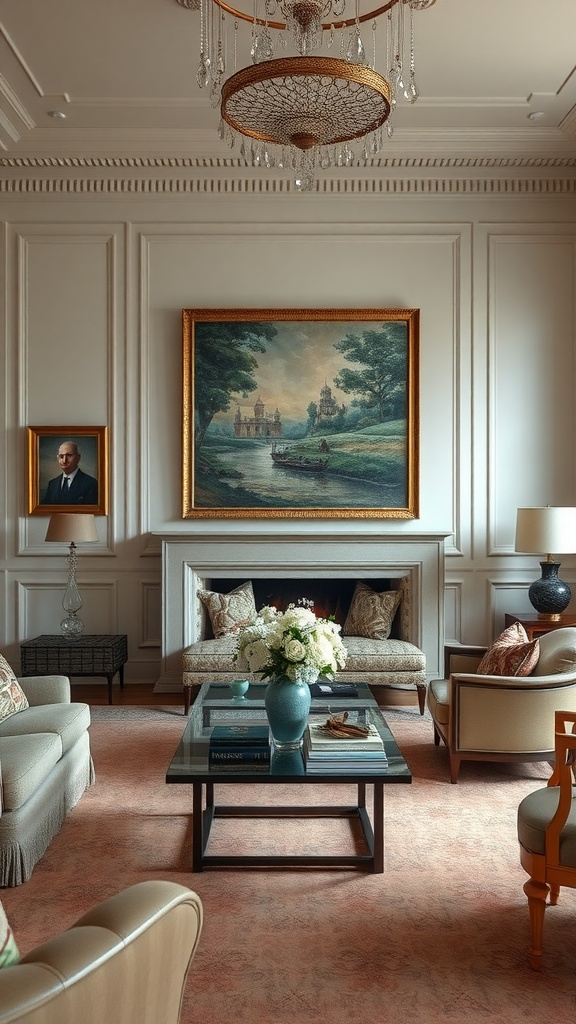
125	961
503	718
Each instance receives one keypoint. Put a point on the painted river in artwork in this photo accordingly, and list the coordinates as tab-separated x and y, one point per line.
301	489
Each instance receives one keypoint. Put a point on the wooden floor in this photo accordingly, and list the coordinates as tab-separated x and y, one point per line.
133	693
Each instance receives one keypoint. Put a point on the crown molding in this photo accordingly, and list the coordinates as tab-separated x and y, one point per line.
345	185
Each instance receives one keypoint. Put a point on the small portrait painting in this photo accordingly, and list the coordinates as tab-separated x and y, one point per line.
67	470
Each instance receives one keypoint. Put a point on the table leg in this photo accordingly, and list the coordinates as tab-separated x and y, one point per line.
110	678
197	827
121	674
378	827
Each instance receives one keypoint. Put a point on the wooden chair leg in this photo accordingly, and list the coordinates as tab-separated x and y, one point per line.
554	894
421	688
187	695
537	893
455	761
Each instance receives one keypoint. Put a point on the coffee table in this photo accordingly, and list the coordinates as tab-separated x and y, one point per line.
189	765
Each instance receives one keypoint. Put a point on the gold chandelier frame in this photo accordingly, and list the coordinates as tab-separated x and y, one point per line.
337	24
310	68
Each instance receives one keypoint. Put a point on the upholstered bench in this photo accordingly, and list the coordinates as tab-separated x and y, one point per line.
389	662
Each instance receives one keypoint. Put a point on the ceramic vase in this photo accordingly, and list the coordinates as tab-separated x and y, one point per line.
287	708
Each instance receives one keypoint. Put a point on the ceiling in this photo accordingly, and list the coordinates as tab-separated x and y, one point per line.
123	75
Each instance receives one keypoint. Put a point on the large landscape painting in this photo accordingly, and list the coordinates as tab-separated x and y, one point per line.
300	413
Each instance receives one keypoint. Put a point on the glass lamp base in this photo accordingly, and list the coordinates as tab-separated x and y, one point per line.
72	626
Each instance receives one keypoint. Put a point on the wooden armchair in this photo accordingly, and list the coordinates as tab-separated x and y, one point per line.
503	718
547	833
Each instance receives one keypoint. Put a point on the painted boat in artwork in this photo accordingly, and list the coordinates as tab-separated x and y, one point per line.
283	457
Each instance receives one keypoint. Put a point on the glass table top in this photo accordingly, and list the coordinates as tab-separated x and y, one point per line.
215	705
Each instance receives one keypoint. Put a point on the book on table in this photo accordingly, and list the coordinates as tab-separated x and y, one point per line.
327	753
239	748
239	735
318	741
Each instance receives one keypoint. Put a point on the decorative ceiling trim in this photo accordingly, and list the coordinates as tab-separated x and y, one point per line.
436	162
339	186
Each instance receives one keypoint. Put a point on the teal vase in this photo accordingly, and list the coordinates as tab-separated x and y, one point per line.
287	708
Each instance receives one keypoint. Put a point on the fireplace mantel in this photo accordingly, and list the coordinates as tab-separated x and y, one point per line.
188	558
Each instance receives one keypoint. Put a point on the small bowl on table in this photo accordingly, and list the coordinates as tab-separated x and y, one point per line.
239	688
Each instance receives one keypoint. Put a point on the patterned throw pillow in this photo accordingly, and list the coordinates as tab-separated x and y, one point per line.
229	612
371	614
12	696
512	654
9	953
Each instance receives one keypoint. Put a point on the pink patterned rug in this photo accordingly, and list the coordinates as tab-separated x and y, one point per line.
441	935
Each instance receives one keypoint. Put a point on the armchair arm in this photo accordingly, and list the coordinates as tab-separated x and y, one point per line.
46	689
462	658
508	714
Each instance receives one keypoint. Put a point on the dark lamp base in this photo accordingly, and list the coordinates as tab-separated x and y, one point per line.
550	596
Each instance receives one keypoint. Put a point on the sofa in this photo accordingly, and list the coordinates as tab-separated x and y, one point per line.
377	632
125	961
45	767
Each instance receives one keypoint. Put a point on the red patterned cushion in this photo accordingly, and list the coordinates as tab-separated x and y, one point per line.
512	654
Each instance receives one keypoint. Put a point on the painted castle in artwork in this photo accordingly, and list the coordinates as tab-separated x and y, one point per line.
265	425
328	406
261	424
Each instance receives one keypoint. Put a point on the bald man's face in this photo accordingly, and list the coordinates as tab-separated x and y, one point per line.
68	458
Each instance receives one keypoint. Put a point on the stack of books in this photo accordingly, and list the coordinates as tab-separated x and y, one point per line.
235	748
324	753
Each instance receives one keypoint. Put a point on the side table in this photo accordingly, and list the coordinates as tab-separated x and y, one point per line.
91	655
535	626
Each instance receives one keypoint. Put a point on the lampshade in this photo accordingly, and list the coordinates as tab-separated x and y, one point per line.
546	530
543	531
72	527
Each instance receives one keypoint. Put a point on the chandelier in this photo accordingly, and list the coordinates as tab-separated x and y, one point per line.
306	110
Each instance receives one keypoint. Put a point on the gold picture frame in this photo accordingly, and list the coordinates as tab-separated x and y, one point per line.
300	413
89	489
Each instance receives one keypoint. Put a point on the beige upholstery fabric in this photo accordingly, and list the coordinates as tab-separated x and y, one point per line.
371	614
557	653
124	962
228	612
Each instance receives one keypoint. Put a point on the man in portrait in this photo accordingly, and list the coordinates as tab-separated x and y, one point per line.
72	486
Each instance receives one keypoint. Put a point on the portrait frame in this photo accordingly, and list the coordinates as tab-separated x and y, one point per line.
43	445
302	340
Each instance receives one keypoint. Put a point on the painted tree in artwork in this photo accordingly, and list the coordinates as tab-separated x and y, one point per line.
379	383
224	365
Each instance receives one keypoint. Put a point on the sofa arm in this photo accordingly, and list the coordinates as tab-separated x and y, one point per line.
46	689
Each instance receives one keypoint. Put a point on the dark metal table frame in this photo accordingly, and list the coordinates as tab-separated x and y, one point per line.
203	817
205	809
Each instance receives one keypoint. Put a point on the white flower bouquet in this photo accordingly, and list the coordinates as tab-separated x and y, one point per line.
294	643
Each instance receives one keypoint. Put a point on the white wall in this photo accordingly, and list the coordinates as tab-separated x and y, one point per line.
94	285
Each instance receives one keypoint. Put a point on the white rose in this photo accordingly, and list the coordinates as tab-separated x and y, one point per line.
257	655
295	650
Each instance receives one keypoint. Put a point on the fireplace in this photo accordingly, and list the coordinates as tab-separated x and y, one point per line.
211	560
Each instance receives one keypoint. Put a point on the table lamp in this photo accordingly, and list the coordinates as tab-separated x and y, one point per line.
541	531
72	528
